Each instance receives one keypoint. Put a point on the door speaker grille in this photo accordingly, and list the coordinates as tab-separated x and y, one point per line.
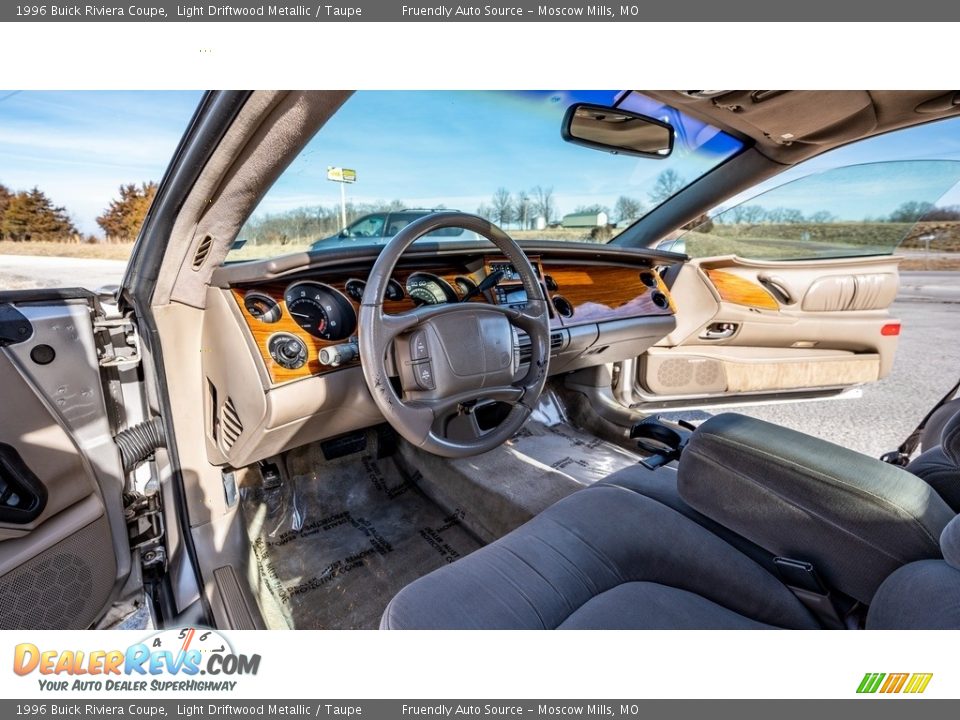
63	588
687	376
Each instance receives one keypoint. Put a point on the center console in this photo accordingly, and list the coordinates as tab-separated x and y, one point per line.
850	518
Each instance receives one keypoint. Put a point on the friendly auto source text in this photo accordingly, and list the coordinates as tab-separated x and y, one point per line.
452	11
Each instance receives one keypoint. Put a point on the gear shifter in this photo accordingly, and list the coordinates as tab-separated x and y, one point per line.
488	283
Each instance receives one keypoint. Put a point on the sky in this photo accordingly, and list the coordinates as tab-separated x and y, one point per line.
80	146
423	148
457	148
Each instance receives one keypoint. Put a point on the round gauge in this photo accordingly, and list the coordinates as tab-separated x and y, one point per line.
320	310
355	289
427	289
394	290
465	285
261	306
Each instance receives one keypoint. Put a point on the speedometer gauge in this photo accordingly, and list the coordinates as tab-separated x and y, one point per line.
426	289
320	310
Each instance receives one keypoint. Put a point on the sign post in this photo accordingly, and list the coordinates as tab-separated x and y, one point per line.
342	176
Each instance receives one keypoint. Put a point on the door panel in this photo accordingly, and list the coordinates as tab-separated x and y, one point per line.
761	327
61	563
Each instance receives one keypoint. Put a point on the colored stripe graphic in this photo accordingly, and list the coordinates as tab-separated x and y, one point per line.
918	682
870	682
894	683
914	683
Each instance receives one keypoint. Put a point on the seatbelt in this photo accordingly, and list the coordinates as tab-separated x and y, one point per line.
901	456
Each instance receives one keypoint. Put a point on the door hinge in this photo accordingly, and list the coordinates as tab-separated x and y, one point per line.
122	348
144	516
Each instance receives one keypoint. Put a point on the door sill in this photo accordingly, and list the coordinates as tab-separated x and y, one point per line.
744	399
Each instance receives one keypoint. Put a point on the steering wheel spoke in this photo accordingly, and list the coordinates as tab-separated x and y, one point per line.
443	406
399	323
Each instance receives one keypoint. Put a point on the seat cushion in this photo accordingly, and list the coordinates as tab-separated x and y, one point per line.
571	556
661	485
923	595
650	606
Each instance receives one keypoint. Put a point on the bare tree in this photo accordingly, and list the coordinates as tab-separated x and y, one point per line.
667	183
521	210
502	206
485	211
627	208
544	204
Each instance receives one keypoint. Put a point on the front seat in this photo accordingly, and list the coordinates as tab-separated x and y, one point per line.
940	465
610	557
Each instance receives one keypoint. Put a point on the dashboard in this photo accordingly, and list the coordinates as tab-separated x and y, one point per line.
306	325
279	355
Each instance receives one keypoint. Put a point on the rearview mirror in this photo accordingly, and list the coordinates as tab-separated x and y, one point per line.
617	131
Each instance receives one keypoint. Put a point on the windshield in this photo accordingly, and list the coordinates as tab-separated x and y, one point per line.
496	154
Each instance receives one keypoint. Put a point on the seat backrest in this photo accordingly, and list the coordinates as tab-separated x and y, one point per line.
933	430
940	466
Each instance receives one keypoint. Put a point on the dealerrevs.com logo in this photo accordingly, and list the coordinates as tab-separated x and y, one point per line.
891	683
170	660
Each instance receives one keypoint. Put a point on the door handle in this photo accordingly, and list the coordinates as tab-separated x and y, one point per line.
719	331
778	286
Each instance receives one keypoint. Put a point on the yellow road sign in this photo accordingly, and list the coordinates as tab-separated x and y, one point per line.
344	175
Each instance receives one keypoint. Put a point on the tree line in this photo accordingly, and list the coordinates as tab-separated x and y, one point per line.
30	215
908	212
523	209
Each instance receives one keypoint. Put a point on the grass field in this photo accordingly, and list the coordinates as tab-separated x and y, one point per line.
99	251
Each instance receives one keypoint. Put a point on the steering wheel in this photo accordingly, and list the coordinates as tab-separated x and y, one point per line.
451	357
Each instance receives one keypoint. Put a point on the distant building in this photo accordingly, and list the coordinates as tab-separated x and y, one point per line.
584	220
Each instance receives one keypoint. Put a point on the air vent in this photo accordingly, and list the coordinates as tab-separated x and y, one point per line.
203	249
230	425
556	343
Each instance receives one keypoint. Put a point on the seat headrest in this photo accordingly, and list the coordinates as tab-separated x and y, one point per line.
950	439
950	542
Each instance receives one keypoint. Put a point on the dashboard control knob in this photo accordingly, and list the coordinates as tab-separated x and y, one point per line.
335	355
288	351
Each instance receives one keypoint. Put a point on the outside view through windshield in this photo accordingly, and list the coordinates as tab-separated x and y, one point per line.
499	155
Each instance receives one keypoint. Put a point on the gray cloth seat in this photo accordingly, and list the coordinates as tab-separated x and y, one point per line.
939	466
605	557
628	553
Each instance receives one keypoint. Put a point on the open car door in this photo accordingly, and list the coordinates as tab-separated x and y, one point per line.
789	294
70	380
